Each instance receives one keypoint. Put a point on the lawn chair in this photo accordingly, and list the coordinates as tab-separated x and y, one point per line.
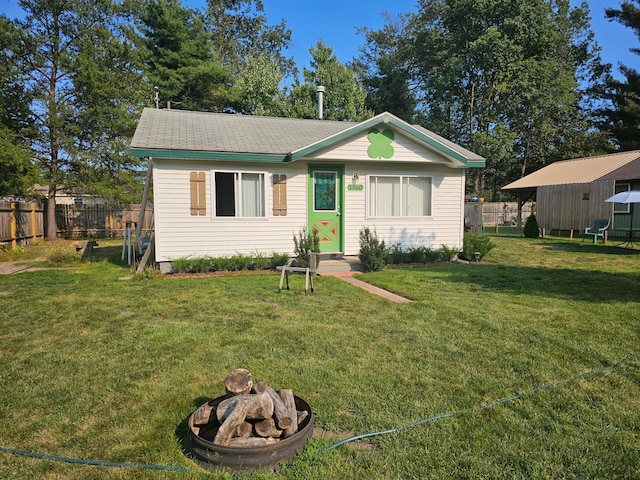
309	272
598	229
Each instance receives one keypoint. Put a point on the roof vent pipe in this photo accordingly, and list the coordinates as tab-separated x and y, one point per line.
320	91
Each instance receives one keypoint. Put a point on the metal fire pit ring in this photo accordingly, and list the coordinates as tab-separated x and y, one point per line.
216	457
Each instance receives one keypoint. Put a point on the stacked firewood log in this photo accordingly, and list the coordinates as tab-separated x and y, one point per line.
250	415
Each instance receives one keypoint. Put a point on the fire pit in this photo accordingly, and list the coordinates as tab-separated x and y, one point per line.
252	427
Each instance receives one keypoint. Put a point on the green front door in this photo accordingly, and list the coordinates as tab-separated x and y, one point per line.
325	206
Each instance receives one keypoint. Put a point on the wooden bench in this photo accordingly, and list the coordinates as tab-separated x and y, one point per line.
309	272
85	248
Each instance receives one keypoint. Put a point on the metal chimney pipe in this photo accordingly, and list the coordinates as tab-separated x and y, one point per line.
320	92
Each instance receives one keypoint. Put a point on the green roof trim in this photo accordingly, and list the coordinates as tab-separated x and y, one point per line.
223	156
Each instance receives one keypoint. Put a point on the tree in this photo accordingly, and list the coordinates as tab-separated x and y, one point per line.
383	73
622	117
17	172
55	41
345	96
179	58
239	32
109	88
259	86
505	78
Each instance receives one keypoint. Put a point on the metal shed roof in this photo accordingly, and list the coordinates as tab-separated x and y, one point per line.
615	166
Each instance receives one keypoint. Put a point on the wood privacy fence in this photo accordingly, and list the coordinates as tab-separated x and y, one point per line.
478	216
99	220
21	222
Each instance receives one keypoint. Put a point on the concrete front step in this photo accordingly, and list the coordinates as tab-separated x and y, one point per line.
342	265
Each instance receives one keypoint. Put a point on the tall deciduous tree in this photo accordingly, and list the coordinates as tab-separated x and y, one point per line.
55	36
505	78
383	72
623	118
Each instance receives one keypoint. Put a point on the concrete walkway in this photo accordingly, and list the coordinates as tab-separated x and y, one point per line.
346	268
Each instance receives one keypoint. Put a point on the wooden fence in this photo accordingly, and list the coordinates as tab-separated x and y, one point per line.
99	220
21	222
478	216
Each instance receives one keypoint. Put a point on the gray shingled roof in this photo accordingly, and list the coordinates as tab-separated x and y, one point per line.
223	132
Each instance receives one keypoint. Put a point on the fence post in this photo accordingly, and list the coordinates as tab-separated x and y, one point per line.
14	226
110	219
33	221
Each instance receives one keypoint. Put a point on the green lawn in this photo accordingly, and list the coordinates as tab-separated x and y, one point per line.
95	367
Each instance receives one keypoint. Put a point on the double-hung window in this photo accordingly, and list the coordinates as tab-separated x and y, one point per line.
622	207
399	196
238	194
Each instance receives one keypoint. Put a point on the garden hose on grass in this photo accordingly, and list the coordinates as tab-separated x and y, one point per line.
342	442
83	461
482	407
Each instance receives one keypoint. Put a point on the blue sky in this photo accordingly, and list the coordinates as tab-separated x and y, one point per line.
335	22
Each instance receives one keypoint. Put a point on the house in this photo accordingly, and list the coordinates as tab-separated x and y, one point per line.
68	196
570	194
225	184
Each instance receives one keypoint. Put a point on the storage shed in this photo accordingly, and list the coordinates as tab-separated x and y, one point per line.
570	194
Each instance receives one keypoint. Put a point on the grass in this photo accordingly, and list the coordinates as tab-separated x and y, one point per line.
98	368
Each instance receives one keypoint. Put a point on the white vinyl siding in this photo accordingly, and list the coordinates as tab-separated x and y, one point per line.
179	234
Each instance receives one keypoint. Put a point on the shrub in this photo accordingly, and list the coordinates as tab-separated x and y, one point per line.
531	228
447	254
194	265
473	243
372	253
259	262
418	254
63	254
396	255
278	259
308	242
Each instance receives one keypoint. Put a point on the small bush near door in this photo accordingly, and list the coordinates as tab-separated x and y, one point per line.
373	254
305	243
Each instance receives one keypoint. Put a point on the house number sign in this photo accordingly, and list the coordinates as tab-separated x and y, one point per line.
355	186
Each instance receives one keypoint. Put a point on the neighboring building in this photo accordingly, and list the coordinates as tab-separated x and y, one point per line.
570	194
226	184
68	196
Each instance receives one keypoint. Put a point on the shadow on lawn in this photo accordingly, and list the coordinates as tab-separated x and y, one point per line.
582	285
182	429
111	254
584	247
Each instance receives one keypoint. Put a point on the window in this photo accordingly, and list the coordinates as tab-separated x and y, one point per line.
399	196
279	195
238	194
198	193
622	207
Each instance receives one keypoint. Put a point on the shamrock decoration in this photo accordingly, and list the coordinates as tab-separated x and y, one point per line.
380	143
